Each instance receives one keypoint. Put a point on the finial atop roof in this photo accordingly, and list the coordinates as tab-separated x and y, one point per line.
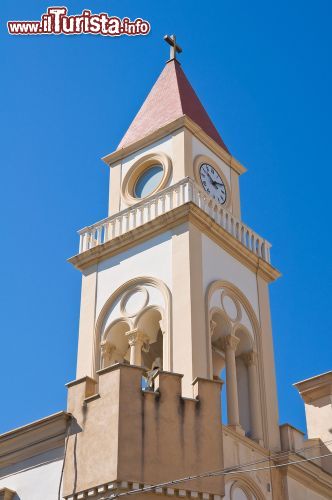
170	98
174	48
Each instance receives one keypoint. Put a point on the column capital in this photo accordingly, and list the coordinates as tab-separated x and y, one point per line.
230	342
136	337
107	348
250	358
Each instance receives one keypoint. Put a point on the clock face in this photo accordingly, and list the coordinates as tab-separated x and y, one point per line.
212	183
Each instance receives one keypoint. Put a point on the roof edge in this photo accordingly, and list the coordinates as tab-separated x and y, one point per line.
34	438
182	122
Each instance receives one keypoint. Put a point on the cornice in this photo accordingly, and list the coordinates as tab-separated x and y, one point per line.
187	212
37	437
122	486
307	473
315	388
310	474
183	121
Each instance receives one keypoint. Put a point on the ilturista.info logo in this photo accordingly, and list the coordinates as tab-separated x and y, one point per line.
56	21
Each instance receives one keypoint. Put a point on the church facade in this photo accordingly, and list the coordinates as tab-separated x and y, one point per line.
174	313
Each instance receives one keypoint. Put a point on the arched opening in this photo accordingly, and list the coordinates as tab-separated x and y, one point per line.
239	494
114	345
134	326
243	488
149	323
234	332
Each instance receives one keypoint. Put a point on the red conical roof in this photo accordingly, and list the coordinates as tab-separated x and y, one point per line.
171	97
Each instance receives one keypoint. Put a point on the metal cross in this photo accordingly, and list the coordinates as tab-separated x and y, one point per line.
171	40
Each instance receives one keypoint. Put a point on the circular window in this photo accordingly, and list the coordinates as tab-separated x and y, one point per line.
148	181
145	177
231	306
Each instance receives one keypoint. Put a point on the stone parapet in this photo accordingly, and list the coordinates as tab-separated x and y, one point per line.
126	434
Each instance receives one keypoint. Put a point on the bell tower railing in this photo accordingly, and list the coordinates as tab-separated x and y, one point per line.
170	198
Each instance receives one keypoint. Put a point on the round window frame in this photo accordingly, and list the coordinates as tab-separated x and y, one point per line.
226	294
137	169
198	162
127	295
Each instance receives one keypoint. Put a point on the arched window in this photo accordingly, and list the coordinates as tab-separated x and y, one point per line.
243	488
134	326
233	341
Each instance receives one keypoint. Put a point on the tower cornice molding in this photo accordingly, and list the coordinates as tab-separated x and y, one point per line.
182	122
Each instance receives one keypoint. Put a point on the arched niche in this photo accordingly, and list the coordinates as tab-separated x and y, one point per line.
241	487
114	345
141	305
150	322
230	314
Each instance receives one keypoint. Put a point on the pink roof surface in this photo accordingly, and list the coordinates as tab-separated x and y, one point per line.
171	97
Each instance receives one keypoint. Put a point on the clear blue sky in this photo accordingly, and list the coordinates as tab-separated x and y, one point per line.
263	71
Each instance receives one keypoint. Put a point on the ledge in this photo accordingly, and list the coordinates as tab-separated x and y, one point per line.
315	388
116	366
123	486
32	439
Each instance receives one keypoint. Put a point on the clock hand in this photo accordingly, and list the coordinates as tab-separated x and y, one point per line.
213	182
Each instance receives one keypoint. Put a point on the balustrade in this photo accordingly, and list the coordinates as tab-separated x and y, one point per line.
166	200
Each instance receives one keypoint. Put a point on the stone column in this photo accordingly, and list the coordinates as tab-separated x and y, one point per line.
250	359
229	345
136	339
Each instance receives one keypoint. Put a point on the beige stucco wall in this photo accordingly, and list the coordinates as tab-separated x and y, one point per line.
319	419
238	451
190	346
299	491
127	434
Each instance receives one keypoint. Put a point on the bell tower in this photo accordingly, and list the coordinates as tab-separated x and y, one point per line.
174	290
